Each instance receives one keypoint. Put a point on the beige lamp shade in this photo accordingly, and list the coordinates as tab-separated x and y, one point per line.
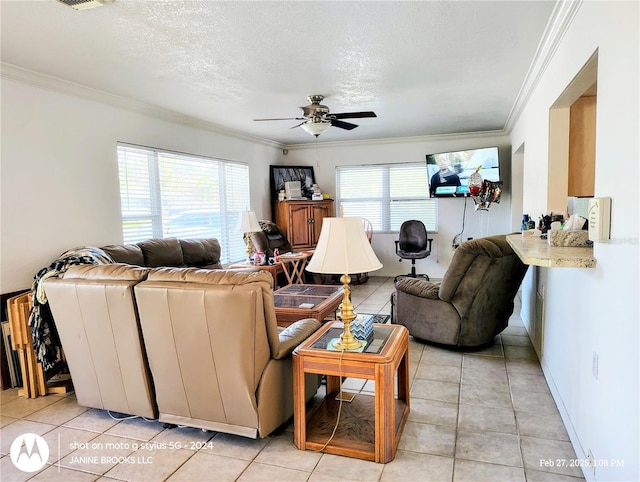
248	222
343	248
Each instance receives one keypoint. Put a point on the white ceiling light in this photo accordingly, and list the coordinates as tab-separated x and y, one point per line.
315	128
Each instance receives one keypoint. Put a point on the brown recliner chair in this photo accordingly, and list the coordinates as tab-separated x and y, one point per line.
271	237
95	314
218	360
473	302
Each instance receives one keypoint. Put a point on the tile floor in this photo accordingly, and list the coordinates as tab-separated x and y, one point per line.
483	416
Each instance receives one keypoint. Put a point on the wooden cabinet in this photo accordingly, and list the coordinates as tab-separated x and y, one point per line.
301	221
582	147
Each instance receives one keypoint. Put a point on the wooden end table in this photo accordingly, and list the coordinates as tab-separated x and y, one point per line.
273	269
293	265
370	426
324	300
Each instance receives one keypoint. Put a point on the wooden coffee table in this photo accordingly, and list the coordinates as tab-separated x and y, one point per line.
370	426
323	301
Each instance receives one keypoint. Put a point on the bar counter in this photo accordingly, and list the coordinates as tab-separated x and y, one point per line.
535	251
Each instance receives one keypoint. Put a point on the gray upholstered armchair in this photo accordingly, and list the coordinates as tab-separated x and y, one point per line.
473	302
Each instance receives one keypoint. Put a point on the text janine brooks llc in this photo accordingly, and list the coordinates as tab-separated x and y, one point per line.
106	459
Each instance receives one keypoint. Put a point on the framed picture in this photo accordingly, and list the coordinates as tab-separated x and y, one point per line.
278	175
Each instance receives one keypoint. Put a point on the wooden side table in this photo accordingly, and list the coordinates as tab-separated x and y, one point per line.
274	269
370	426
293	265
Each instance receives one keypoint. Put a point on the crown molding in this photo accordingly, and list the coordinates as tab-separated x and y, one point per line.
56	84
400	140
561	17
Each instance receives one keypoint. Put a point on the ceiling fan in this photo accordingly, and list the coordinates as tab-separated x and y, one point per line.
316	117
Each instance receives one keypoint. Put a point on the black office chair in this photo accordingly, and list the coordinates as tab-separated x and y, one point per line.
414	243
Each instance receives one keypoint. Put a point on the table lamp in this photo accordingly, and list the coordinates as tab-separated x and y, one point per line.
343	248
248	224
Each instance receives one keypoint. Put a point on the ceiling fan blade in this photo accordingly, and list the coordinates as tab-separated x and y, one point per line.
298	125
281	118
354	115
343	125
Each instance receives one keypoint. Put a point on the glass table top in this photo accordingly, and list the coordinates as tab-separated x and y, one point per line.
309	290
375	343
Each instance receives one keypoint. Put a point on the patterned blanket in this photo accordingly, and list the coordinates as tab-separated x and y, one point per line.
46	342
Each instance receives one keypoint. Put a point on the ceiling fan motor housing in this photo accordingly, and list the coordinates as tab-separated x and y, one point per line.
316	111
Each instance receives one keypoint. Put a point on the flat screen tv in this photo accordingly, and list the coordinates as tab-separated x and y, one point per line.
448	172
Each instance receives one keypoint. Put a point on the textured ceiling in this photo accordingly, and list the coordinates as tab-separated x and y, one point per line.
425	67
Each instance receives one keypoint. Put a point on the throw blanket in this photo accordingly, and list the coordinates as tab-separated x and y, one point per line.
46	342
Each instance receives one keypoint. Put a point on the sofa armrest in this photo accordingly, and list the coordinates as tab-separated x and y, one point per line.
295	334
418	287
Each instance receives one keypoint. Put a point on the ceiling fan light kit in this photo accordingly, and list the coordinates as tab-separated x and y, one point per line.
317	119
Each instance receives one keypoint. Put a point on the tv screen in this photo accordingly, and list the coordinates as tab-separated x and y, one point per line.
448	172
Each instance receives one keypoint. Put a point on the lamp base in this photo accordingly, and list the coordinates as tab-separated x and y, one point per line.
347	341
347	345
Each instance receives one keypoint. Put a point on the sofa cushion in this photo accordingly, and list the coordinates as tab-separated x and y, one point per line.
125	253
201	252
162	252
106	272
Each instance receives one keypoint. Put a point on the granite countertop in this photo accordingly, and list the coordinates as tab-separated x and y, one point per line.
535	251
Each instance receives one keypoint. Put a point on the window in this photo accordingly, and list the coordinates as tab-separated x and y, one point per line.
167	194
387	194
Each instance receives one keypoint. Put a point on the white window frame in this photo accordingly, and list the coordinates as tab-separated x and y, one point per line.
142	198
429	215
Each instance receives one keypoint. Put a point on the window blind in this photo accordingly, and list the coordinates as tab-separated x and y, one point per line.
167	194
387	194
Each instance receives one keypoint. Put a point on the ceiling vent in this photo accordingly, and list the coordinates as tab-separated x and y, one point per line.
82	4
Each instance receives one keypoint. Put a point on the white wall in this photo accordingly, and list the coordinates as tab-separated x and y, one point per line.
59	185
328	156
595	310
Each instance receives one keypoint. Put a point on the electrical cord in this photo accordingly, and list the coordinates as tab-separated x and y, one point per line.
459	235
129	417
126	417
335	428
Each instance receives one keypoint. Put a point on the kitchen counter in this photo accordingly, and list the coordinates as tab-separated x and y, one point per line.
535	251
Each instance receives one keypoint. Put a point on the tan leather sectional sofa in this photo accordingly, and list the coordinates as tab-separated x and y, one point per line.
190	346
